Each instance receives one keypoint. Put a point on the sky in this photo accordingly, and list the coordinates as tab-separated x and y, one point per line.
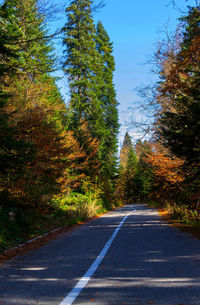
134	27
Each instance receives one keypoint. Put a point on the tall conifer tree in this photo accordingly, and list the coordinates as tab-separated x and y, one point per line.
126	147
125	187
107	96
35	101
89	66
32	43
14	153
179	122
81	65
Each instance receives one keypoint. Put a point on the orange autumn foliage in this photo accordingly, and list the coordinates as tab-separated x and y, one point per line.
166	168
61	161
81	159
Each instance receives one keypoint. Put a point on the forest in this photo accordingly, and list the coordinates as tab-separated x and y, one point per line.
59	161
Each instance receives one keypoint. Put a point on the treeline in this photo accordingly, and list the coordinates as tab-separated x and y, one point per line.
135	176
166	170
53	155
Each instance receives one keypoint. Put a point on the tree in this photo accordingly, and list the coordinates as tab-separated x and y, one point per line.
144	174
127	145
129	176
89	66
179	94
34	107
81	65
14	153
107	96
125	185
167	175
32	42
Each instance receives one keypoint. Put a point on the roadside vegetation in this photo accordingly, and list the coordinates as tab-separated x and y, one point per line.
58	158
18	225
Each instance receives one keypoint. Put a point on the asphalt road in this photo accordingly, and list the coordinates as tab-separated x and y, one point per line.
148	262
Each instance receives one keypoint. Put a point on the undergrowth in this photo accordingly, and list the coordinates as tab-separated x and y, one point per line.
180	212
183	213
18	225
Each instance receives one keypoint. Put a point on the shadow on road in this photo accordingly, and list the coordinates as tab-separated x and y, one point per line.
148	263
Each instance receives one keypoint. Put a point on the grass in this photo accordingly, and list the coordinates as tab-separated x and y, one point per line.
19	225
27	225
180	216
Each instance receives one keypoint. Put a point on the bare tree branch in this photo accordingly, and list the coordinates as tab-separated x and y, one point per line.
99	5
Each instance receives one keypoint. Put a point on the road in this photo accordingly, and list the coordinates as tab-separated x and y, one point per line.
147	262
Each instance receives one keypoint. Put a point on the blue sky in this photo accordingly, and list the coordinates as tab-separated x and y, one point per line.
134	28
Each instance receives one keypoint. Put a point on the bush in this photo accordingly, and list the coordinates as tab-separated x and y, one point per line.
183	213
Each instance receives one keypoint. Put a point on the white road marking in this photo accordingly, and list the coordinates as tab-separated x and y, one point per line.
71	297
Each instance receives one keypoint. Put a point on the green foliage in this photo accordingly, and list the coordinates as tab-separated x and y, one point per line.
131	165
14	152
24	80
89	66
107	96
81	65
143	179
83	205
28	224
135	174
183	213
127	145
144	175
31	42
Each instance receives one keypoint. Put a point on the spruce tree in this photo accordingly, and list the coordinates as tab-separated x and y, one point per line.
129	176
81	66
144	175
92	97
38	110
126	147
179	125
107	97
125	186
14	153
32	42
